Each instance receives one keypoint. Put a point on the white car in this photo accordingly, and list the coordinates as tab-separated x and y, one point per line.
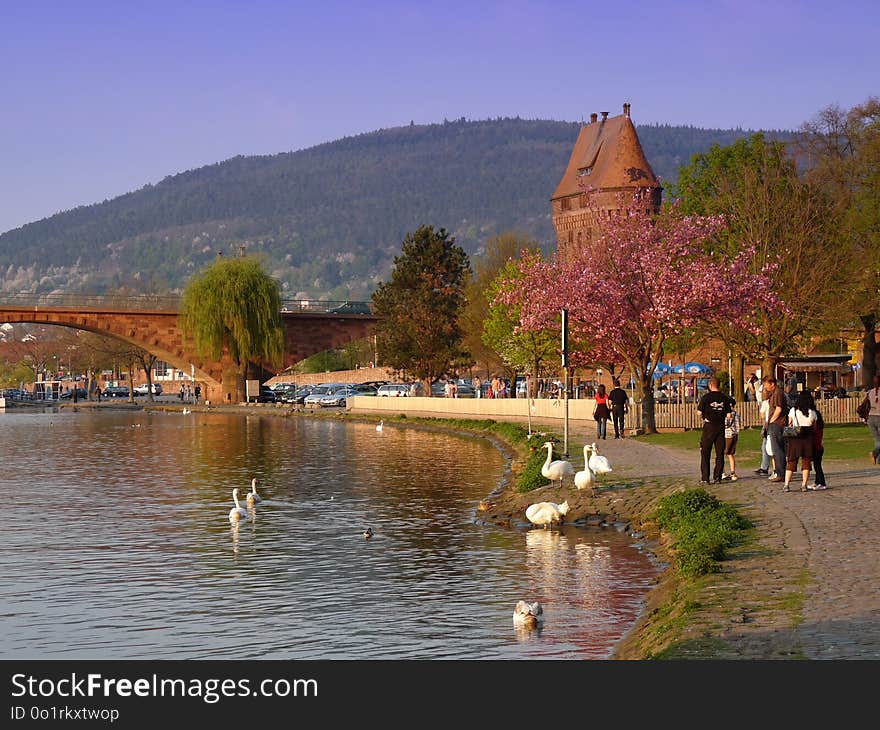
142	389
394	390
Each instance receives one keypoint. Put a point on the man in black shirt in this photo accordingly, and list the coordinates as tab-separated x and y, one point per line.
619	401
713	409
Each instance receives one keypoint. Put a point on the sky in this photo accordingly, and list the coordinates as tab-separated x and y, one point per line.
100	97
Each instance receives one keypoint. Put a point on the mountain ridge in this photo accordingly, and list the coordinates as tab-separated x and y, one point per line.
327	219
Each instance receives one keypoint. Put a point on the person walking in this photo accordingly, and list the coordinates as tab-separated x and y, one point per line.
776	422
800	448
619	408
873	419
713	409
764	412
478	387
750	393
818	452
602	412
732	425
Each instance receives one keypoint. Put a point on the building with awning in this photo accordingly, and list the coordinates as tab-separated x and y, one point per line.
814	371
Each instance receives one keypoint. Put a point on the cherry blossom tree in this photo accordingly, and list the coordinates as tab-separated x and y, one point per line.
642	279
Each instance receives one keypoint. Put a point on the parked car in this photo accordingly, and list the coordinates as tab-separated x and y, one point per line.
115	391
298	396
266	395
393	390
365	389
81	394
142	389
337	399
313	400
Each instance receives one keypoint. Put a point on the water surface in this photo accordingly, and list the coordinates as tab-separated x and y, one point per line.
117	545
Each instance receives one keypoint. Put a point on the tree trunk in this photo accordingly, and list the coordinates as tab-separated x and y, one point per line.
768	366
649	422
737	383
869	350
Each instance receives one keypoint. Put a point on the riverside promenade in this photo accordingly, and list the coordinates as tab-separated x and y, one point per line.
811	588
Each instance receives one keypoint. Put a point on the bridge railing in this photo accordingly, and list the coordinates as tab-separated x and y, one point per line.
170	303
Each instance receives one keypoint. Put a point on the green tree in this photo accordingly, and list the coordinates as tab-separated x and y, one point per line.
840	151
233	309
525	351
788	228
476	312
419	309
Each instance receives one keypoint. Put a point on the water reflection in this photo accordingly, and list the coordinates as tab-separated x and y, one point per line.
148	574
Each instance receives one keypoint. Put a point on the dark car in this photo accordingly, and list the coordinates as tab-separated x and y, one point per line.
267	395
116	391
81	394
298	398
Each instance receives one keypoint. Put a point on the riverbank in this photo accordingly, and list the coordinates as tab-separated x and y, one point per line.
805	585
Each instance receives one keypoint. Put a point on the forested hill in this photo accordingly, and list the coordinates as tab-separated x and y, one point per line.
329	219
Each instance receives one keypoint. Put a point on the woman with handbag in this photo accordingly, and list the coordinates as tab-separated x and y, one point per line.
602	412
799	439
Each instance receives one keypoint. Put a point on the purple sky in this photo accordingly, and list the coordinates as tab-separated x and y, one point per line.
100	98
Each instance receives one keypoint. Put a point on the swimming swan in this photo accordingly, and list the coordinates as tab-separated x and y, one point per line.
546	513
252	496
238	512
599	464
555	470
186	411
584	479
528	615
379	427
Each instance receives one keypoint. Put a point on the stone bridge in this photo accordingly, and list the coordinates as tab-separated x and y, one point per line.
151	323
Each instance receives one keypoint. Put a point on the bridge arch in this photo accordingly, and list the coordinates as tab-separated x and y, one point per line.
157	331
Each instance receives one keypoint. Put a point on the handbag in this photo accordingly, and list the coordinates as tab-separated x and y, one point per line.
864	408
792	432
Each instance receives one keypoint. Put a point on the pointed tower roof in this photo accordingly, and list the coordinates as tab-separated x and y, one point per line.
606	155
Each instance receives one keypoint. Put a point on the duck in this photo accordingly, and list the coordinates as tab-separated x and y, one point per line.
252	496
599	464
585	479
368	533
379	427
557	470
238	512
528	615
546	513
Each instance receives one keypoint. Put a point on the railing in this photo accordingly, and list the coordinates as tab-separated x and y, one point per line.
684	415
168	303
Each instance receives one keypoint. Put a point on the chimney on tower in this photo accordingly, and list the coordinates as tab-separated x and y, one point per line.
626	110
604	116
593	118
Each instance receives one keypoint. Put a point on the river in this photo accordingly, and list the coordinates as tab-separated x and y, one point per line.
117	545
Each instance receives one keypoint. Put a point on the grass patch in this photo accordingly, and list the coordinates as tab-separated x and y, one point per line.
847	441
702	528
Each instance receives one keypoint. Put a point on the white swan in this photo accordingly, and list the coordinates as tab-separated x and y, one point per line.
599	464
528	615
186	411
557	470
584	479
238	512
379	427
252	496
546	513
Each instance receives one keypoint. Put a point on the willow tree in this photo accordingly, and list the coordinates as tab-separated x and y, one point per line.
233	310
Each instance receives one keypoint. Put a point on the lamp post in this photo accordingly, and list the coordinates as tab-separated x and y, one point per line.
565	389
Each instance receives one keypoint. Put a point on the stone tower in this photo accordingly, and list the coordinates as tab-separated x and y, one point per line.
607	163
